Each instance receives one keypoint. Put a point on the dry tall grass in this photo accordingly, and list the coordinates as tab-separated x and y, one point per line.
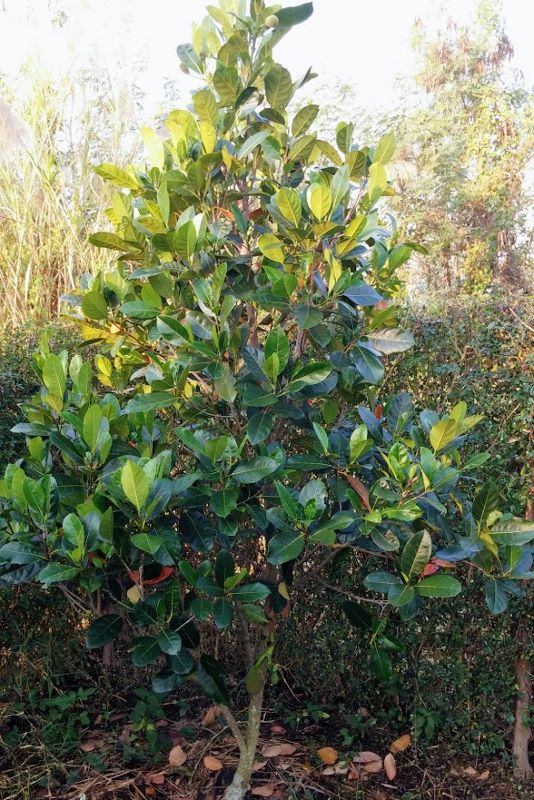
50	200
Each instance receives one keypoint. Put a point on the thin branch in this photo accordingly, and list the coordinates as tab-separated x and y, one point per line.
313	571
245	634
354	596
232	723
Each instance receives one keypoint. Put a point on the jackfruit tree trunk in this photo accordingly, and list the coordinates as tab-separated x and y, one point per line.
247	749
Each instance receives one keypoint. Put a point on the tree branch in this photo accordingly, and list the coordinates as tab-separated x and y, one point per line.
233	724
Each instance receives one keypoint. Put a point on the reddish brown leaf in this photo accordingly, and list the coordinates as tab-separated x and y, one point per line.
429	569
87	747
271	750
276	728
177	756
366	757
266	790
157	778
328	755
258	765
390	766
209	718
212	763
400	744
470	771
360	489
484	775
287	749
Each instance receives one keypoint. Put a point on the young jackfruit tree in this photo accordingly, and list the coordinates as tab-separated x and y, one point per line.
233	436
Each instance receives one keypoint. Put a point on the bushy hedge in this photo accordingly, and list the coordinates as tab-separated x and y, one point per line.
454	679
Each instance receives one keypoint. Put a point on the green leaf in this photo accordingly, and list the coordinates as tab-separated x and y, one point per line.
319	199
154	147
288	203
278	86
210	675
358	615
303	119
255	470
277	344
381	581
378	182
54	376
385	148
154	401
94	305
56	573
224	385
512	531
137	309
340	186
443	433
293	15
486	501
184	240
309	374
438	586
400	595
121	178
250	144
223	613
254	614
271	247
224	567
496	596
91	427
135	484
169	642
103	630
307	316
259	427
368	365
251	592
322	436
391	340
146	650
284	547
288	501
147	542
205	105
381	665
416	554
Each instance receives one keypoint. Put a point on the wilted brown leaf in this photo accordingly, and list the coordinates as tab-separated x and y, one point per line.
277	729
209	718
271	750
157	778
258	765
266	790
287	749
328	755
484	775
212	763
373	767
390	766
366	757
470	771
87	747
150	791
336	769
400	744
177	756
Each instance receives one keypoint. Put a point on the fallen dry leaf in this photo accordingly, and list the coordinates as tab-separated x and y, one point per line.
278	729
212	763
400	744
258	765
336	769
150	791
87	747
328	755
373	767
470	771
390	766
287	749
366	757
177	756
209	718
271	750
157	778
266	790
484	775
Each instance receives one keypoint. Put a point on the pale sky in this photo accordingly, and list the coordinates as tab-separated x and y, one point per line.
366	45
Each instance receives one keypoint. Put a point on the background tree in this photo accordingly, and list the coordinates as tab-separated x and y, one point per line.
465	146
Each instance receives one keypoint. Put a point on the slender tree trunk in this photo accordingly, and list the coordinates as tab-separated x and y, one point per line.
523	677
247	750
